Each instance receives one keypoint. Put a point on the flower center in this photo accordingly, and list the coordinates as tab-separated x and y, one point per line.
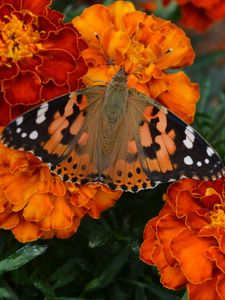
17	40
137	57
218	216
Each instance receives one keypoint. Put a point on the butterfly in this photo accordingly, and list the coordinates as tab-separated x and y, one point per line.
114	135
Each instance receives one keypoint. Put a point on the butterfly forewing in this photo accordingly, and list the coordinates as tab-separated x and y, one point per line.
51	129
170	149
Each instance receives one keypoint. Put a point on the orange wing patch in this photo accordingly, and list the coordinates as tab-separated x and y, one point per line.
66	121
158	143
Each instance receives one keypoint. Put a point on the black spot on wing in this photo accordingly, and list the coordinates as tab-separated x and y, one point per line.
151	150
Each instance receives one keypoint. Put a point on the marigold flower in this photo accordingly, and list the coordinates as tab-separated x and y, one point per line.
186	241
199	15
146	46
39	56
37	204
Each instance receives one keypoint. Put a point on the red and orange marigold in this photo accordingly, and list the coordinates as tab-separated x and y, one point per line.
186	241
37	204
146	46
39	56
199	15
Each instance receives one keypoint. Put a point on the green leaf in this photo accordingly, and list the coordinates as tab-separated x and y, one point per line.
185	296
140	294
43	285
109	273
4	293
21	257
65	274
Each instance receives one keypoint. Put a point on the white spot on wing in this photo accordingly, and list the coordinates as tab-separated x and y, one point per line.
18	130
188	143
209	151
199	163
188	160
33	135
206	161
24	134
189	128
41	113
19	120
190	137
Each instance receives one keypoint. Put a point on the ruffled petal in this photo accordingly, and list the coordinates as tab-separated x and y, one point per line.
26	232
206	290
23	89
189	251
61	216
188	94
38	208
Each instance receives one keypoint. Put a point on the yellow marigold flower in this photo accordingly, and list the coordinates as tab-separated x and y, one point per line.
146	46
37	204
186	241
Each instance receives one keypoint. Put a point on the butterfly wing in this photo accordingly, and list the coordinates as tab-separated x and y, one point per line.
152	146
51	129
155	146
169	149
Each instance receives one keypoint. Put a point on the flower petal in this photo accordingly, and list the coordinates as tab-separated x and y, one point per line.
61	216
23	89
115	43
38	208
36	6
117	11
89	24
53	61
189	250
206	290
26	232
102	200
189	95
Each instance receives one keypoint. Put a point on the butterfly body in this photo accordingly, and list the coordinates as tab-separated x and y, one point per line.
115	135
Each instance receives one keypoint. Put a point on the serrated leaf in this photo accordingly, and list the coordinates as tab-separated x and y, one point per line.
21	257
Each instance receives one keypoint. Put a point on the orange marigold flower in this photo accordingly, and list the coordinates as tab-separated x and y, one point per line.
37	204
186	241
39	56
146	46
199	15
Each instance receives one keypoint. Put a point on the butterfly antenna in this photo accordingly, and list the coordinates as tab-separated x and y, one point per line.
109	60
100	81
154	60
161	55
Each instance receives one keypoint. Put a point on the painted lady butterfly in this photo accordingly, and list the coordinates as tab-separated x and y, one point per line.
114	135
